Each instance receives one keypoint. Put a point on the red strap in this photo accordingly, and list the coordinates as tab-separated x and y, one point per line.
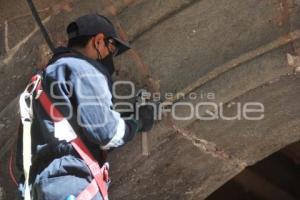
90	191
47	104
79	146
92	164
10	167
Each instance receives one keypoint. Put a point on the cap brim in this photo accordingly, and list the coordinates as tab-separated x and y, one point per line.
122	46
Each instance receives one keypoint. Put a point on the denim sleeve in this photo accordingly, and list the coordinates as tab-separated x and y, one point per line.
99	122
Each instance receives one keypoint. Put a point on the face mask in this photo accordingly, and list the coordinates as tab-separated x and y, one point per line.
108	63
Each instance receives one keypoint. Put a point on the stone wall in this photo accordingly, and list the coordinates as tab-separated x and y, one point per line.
234	49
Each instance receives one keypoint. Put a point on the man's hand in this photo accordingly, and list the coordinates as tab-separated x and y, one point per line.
145	117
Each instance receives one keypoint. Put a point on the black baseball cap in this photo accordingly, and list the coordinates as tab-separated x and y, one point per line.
92	24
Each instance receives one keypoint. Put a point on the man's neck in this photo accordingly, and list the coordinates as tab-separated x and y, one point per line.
80	50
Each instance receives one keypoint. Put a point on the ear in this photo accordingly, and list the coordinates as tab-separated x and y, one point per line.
99	41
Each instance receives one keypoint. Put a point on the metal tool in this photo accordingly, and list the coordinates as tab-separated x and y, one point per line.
142	97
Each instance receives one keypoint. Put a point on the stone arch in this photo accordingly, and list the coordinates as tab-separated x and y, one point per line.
236	50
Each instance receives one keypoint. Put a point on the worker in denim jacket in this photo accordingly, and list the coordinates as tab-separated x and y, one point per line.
78	81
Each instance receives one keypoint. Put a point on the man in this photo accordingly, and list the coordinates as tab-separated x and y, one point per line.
78	82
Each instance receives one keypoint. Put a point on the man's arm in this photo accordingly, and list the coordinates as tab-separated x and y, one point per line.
89	89
102	125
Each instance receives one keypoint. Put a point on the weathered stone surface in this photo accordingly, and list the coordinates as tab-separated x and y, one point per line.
204	36
1	193
149	13
253	140
179	42
239	80
232	144
163	174
2	39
